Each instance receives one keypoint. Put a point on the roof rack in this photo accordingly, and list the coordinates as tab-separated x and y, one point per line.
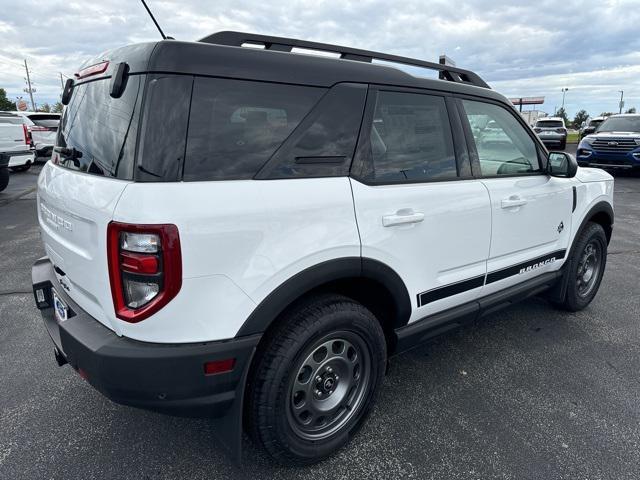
283	44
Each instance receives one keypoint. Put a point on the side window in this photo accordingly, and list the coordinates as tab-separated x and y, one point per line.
235	126
504	146
410	139
323	144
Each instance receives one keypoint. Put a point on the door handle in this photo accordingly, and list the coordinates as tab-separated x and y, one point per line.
513	201
402	217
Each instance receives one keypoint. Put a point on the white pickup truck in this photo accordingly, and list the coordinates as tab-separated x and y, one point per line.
15	149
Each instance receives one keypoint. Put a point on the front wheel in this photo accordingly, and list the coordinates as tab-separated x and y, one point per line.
316	379
585	267
4	178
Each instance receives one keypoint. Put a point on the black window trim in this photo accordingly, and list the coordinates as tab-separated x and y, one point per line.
363	153
307	121
541	151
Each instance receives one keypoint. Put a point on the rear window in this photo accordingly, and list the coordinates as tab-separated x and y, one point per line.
48	121
595	123
236	126
549	124
97	133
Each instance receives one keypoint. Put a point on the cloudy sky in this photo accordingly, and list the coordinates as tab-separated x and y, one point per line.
528	48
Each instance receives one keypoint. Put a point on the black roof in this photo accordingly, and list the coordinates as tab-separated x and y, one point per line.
275	65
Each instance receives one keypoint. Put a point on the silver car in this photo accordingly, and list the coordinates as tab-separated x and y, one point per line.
552	132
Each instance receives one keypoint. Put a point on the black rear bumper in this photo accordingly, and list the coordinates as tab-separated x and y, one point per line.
160	377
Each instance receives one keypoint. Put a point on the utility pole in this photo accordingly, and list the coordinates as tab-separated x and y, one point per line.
29	89
61	82
564	91
621	100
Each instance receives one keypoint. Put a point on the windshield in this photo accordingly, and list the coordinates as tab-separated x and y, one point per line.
620	124
97	132
549	123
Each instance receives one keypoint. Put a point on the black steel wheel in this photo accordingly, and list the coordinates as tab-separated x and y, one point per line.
315	379
329	385
585	267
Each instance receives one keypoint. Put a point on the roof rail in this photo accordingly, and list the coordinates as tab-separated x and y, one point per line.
283	44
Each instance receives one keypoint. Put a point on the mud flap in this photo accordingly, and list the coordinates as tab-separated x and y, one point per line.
228	428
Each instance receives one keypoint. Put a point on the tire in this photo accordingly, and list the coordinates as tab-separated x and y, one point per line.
4	178
563	145
21	168
316	379
584	278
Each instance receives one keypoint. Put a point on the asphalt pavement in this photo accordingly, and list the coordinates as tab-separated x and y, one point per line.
527	393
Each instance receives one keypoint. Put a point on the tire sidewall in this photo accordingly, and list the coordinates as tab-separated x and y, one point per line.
591	232
357	320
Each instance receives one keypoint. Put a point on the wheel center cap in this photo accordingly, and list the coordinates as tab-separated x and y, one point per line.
328	384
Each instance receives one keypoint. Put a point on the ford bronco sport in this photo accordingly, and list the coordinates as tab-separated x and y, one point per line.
249	234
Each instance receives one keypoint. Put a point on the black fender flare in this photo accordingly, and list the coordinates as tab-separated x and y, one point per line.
559	291
313	277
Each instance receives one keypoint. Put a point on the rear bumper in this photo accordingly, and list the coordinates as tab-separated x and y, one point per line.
159	377
19	158
553	139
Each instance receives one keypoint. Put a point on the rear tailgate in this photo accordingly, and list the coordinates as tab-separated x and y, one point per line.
74	210
12	138
91	165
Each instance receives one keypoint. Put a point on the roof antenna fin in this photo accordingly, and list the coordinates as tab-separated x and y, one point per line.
164	37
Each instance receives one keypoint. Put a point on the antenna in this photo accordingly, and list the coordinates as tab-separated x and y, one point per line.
164	37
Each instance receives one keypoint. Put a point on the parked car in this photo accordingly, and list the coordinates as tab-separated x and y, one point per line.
552	131
614	145
42	128
590	126
14	144
256	231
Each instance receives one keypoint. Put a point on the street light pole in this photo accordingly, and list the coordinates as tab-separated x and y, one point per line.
621	100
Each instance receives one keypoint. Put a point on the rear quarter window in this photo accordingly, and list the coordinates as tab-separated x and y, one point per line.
235	126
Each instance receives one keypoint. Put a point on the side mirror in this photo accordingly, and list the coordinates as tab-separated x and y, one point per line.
562	164
67	91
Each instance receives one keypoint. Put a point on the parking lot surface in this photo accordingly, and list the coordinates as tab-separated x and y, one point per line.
527	393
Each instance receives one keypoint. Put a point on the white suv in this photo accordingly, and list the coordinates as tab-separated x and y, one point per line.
249	234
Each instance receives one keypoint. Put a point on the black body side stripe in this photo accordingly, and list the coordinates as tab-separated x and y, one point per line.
460	287
448	290
531	264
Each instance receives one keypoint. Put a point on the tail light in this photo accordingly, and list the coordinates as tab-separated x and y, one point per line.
537	130
145	268
560	130
27	134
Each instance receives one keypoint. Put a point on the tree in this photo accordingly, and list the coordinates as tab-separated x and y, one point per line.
57	107
606	114
580	117
631	110
5	103
562	114
45	107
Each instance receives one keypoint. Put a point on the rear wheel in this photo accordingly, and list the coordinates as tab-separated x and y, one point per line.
585	267
4	178
563	145
316	379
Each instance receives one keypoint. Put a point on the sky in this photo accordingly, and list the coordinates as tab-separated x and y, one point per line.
528	48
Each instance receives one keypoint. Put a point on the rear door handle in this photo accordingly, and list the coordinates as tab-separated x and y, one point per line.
513	201
401	217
